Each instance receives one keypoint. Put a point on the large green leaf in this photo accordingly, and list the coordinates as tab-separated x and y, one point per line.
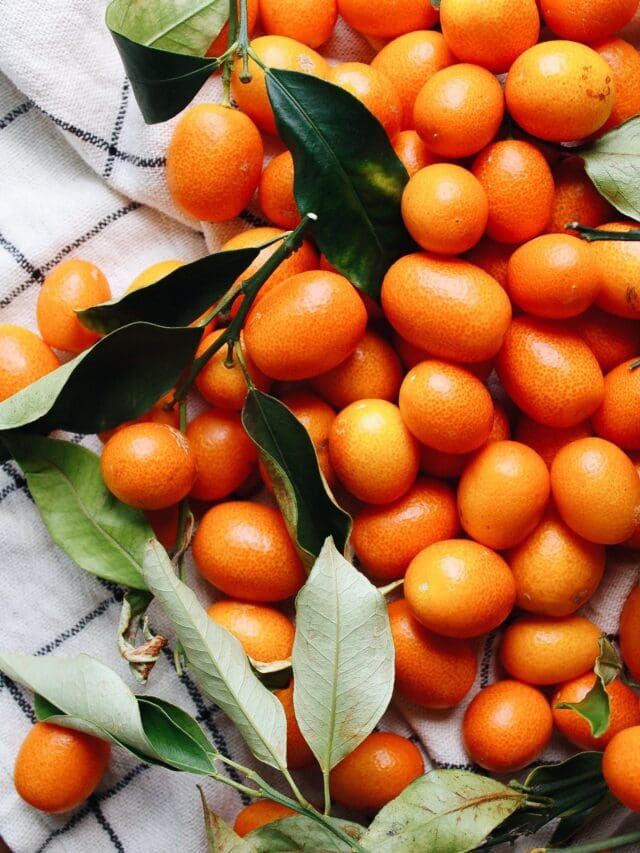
162	46
346	172
119	378
596	705
100	533
301	833
451	811
613	164
178	299
343	658
309	510
218	662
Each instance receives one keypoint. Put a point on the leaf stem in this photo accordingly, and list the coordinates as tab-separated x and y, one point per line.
592	235
390	587
249	289
326	792
230	53
243	43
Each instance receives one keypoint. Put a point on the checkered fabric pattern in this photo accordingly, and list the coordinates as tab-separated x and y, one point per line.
82	176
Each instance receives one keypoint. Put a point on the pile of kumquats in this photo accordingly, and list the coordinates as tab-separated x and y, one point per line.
481	424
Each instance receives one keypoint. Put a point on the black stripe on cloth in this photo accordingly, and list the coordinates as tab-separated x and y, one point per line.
19	483
252	219
17	695
446	765
93	232
104	823
15	113
117	129
20	259
104	144
487	654
78	627
204	715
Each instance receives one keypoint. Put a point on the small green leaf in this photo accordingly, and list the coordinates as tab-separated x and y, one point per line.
119	378
220	837
162	46
451	811
301	833
178	299
578	769
346	172
343	658
308	507
218	662
613	164
175	736
100	533
596	705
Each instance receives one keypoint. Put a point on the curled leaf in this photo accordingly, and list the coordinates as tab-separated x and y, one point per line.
596	705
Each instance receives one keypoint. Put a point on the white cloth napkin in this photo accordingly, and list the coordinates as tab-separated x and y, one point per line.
81	175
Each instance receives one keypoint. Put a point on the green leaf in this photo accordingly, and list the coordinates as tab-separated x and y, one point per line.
220	837
613	164
175	736
178	299
301	833
596	705
162	46
119	378
343	658
100	533
308	507
179	26
218	662
95	699
578	769
451	811
346	172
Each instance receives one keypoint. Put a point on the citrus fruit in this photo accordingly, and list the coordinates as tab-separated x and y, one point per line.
491	33
224	454
546	440
611	339
446	407
305	325
214	161
459	110
244	550
275	52
553	276
624	61
409	61
445	208
70	286
624	711
411	151
597	490
222	386
618	264
57	768
148	465
549	372
620	767
616	418
507	726
373	370
459	588
630	632
519	186
308	21
492	257
375	772
575	198
154	273
258	814
587	20
372	452
447	306
503	493
266	635
386	538
555	570
275	192
430	670
316	417
387	18
373	89
24	357
548	650
560	91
